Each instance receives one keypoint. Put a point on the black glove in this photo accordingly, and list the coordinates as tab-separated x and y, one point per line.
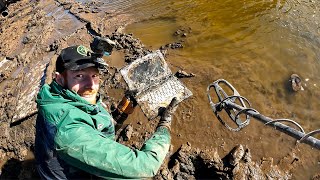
166	116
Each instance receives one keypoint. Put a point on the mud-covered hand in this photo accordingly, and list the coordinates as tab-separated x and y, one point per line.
166	116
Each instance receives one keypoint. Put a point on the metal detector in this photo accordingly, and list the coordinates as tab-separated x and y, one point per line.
232	103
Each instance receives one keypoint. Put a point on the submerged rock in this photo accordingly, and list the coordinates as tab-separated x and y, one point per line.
296	82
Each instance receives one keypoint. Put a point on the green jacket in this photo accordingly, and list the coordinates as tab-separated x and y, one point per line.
83	136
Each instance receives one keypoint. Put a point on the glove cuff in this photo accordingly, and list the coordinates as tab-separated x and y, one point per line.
164	124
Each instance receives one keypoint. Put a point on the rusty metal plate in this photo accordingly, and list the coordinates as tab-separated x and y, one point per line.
154	83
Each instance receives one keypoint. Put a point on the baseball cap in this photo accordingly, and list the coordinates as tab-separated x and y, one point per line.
78	57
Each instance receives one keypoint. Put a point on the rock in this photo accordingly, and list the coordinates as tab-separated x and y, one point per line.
176	45
296	82
166	174
236	155
212	162
127	132
187	167
176	168
178	32
316	177
4	129
120	30
247	156
183	176
53	47
26	40
183	74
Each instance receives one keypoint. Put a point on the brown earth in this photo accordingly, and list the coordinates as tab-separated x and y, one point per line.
34	33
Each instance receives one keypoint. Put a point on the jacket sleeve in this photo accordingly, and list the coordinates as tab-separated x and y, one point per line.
80	145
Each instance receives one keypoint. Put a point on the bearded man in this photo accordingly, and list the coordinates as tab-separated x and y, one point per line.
75	135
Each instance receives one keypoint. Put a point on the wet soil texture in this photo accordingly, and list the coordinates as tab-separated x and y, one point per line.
33	34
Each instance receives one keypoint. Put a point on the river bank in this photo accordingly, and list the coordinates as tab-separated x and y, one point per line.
35	32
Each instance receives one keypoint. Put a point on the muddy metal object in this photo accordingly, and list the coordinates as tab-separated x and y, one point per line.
154	83
235	105
296	82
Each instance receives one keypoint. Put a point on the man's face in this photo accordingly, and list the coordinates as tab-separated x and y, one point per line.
84	82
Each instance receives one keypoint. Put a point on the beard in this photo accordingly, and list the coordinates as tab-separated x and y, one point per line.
88	92
89	95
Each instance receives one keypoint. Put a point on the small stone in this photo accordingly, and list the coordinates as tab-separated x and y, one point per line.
26	40
183	74
296	82
164	172
178	32
127	132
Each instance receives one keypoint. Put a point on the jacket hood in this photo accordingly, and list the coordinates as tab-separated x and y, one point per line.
56	94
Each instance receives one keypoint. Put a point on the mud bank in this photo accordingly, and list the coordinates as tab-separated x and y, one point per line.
32	36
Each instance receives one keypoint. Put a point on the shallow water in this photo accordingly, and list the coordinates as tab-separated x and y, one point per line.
255	45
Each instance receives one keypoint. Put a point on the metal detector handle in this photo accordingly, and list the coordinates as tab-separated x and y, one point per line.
300	135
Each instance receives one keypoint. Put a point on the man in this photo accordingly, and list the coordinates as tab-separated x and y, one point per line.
75	134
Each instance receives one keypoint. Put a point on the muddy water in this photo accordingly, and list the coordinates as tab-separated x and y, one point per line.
256	46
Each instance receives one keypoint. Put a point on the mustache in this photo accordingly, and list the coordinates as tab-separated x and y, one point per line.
88	92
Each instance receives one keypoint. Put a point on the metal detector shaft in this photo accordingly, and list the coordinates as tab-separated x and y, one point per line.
279	126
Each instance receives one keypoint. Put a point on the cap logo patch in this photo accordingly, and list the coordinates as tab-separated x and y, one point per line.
82	50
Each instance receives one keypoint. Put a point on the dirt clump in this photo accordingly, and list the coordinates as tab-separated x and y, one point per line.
193	163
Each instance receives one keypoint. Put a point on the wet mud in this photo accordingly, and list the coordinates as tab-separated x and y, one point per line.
32	36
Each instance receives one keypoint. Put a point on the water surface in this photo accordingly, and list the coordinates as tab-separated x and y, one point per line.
254	44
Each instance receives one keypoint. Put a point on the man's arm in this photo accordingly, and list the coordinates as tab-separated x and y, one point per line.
80	145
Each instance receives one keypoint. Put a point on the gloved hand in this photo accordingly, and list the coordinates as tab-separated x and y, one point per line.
166	116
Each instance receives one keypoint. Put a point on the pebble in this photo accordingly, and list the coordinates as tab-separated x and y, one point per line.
296	82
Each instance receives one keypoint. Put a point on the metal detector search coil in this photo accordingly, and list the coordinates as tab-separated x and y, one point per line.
223	98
